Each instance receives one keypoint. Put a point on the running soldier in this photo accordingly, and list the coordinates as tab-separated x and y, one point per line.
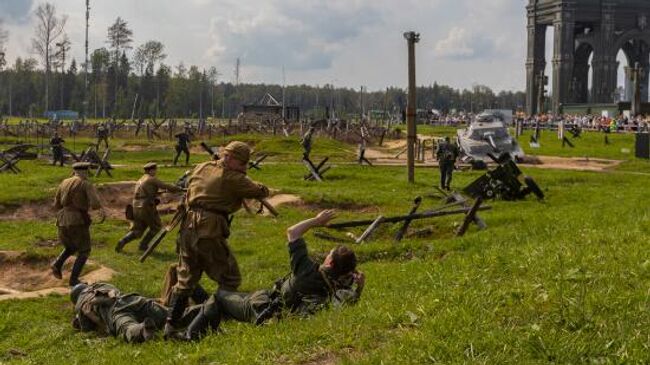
182	145
145	215
74	197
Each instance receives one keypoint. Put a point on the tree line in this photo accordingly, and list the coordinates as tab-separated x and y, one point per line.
124	82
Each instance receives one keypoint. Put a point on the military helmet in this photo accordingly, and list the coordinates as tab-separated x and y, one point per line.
239	150
76	291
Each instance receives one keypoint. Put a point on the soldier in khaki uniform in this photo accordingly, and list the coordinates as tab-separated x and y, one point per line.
74	197
145	214
215	191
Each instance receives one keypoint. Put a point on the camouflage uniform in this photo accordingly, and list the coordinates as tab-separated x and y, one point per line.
447	153
145	214
57	150
103	308
74	197
307	289
102	135
306	143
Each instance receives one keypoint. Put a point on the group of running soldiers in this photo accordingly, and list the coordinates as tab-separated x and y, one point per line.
183	140
214	191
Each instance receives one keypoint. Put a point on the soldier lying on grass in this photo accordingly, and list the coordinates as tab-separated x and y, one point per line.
103	308
308	288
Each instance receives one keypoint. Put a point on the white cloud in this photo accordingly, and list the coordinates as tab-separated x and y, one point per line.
461	44
348	42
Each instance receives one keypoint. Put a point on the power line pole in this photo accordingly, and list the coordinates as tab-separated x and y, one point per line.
85	100
237	66
284	86
412	38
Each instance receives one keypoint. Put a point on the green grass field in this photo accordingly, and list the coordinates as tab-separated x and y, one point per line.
559	281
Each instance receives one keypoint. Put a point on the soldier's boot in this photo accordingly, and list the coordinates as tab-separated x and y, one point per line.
177	305
126	239
144	243
209	317
187	159
178	154
76	269
58	264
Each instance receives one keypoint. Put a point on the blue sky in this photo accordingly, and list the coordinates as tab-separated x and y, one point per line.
345	42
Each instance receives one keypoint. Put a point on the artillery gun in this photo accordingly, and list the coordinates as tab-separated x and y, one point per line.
504	182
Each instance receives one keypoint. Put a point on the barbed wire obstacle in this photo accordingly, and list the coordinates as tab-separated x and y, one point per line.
316	172
9	158
101	163
456	207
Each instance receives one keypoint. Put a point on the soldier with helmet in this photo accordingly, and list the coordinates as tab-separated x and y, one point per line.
215	190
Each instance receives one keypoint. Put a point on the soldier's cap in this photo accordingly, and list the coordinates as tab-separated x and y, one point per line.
81	165
150	165
239	150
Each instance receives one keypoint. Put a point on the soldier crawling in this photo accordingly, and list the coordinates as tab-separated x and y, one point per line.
309	287
145	214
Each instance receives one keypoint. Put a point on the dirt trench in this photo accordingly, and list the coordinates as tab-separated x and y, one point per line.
24	276
114	197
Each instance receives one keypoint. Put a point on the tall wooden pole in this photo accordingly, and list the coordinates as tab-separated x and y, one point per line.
412	38
84	109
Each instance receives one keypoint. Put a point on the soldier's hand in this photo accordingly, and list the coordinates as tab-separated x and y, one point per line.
359	278
325	217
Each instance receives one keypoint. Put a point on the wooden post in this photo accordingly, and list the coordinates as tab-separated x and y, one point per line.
370	229
411	129
470	217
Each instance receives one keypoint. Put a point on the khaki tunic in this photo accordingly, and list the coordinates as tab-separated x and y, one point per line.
74	197
145	214
213	193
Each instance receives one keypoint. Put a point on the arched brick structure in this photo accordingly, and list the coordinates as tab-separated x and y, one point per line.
584	28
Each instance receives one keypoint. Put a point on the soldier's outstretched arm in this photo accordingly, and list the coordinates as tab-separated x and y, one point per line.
246	188
169	187
299	229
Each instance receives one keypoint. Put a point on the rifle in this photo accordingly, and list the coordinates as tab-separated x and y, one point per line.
176	220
